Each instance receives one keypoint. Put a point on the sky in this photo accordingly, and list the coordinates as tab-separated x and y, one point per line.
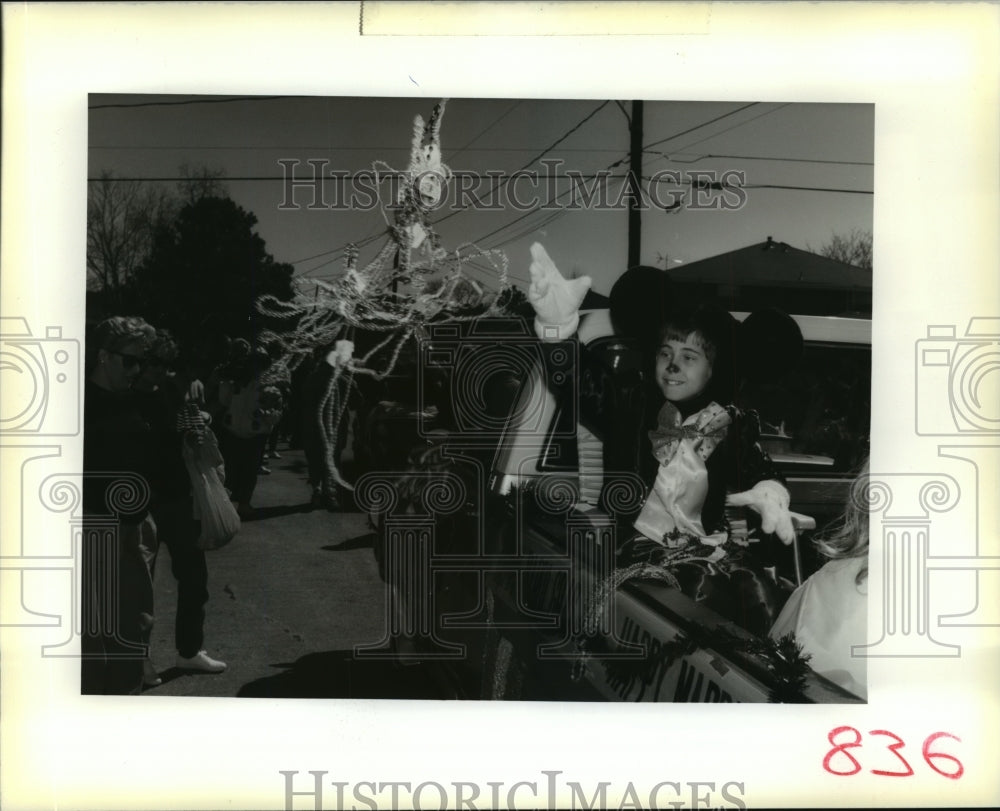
805	172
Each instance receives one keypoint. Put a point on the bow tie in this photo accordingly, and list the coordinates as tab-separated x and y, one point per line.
707	429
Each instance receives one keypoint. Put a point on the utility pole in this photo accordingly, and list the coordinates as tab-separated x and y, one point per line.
635	179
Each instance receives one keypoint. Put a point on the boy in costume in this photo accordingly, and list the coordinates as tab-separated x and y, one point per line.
707	455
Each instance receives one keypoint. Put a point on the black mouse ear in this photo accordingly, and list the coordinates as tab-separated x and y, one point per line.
722	330
770	345
641	302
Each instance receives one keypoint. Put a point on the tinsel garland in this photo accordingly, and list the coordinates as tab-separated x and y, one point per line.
368	300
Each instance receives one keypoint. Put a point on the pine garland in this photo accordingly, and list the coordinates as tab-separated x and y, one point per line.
782	658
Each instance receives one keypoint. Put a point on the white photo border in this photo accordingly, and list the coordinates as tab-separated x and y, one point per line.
932	72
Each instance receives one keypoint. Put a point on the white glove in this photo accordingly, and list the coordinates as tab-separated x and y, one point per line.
556	300
770	500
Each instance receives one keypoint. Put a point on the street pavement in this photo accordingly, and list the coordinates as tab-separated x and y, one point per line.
290	597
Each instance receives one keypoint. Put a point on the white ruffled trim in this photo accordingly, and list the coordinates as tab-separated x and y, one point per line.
557	332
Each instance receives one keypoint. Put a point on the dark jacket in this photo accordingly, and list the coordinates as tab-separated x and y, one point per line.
116	440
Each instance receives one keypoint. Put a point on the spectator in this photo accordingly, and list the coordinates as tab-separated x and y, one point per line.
249	409
118	616
161	394
828	614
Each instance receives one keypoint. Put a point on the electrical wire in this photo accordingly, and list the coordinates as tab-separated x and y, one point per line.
499	184
700	126
534	160
734	126
488	127
185	102
715	156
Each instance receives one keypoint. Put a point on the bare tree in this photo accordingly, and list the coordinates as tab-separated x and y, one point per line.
122	216
854	248
200	182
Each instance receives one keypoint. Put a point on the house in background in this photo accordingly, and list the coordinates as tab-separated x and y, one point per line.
774	274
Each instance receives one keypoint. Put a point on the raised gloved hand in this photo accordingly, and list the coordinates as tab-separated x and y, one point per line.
770	500
556	300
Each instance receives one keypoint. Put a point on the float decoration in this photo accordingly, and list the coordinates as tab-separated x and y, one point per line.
411	282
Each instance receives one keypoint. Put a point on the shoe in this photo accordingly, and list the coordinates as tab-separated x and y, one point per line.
263	470
202	662
150	678
275	455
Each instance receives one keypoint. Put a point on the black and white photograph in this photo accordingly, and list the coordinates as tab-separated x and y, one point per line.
508	399
481	406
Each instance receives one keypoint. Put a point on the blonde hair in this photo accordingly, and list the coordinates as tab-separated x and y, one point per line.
848	537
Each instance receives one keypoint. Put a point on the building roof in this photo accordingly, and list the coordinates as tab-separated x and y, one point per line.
774	264
776	274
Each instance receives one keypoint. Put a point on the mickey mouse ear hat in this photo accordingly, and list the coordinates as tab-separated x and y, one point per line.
763	348
642	300
770	345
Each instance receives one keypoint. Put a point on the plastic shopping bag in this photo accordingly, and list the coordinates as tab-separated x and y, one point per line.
219	520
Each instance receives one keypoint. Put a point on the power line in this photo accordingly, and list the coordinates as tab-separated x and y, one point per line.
734	126
329	147
700	126
163	179
488	127
351	177
532	227
537	158
518	219
542	154
186	102
714	156
805	188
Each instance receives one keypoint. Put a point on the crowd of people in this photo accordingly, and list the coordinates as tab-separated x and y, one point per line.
152	408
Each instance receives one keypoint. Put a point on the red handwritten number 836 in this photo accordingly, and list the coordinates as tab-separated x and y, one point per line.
855	767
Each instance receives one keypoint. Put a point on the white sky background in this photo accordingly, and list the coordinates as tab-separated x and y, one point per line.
820	146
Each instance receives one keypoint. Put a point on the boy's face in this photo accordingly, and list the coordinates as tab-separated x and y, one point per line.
682	368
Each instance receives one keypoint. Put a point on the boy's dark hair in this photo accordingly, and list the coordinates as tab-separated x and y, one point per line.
716	330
